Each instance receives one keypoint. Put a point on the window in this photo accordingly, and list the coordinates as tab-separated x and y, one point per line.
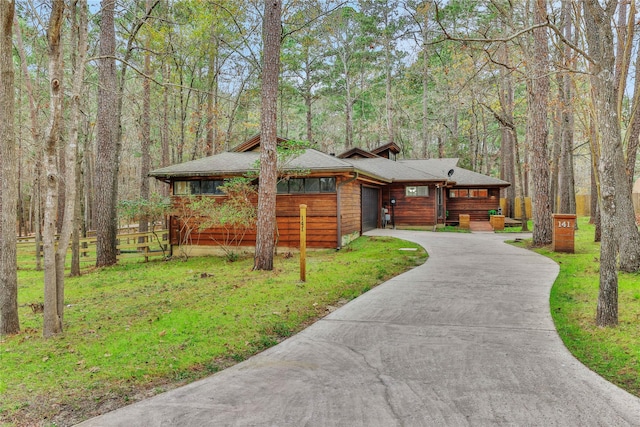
197	187
181	187
327	185
478	192
417	191
307	185
296	185
312	185
210	187
475	193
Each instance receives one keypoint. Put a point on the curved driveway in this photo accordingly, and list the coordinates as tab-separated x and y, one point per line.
465	339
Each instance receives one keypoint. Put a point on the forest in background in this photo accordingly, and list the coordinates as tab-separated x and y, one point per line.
439	80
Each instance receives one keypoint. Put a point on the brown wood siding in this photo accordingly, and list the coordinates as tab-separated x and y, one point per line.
350	209
476	208
321	223
408	211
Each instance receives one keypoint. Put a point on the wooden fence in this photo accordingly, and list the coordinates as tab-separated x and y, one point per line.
130	245
583	205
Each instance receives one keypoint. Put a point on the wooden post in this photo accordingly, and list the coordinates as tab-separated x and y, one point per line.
303	243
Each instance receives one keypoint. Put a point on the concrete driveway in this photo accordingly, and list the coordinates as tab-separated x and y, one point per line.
465	339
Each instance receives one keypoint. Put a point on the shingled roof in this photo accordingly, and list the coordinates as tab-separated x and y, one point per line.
462	177
233	164
394	171
244	159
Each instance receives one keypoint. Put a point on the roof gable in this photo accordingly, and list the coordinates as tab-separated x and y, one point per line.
252	144
387	150
357	153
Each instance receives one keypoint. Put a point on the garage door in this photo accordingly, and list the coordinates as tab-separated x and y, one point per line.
370	211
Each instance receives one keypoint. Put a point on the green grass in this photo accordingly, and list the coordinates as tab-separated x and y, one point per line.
139	328
517	229
614	353
453	229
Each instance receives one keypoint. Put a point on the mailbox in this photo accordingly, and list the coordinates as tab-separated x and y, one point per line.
564	226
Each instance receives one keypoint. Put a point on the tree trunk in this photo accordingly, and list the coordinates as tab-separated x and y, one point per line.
9	321
145	143
106	141
53	278
595	206
70	224
566	181
538	88
556	146
616	209
388	94
425	81
632	136
508	131
266	223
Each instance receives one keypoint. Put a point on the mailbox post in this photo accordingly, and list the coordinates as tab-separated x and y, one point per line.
303	243
564	226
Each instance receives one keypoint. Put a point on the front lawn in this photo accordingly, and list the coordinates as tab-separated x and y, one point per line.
614	353
138	329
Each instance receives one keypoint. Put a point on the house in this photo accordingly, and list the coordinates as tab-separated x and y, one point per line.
344	194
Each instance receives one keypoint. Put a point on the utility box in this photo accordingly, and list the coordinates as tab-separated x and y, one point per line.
564	226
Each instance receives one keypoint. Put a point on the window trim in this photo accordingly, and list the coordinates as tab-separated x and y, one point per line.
417	191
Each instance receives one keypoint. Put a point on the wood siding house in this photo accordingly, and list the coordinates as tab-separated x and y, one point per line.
344	194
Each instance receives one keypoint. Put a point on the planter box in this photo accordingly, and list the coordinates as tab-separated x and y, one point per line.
465	221
497	222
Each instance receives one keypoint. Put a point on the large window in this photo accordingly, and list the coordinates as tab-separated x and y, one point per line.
197	187
416	191
474	193
307	185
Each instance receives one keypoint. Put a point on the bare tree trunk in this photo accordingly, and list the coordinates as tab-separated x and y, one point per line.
52	298
616	209
595	207
266	224
37	188
632	137
213	116
556	147
106	141
425	80
9	321
35	137
70	224
508	131
308	94
538	86
566	181
145	153
388	94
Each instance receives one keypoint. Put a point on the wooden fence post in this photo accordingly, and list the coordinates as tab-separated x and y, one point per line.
303	243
